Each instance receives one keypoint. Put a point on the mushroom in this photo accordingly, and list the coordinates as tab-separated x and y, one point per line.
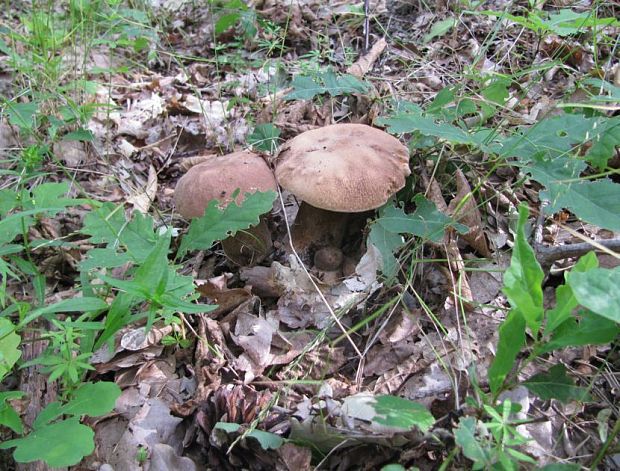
218	178
337	170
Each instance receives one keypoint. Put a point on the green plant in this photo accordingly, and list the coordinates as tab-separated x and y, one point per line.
59	421
491	443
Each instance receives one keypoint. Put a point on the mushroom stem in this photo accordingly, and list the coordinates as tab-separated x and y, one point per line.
250	246
317	228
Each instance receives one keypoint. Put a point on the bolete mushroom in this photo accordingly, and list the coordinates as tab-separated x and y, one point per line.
336	170
218	178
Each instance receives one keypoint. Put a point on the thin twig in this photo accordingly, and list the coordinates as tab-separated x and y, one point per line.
366	25
318	290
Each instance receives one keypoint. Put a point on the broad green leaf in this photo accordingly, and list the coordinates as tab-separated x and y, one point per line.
597	289
465	437
426	221
305	88
264	137
60	444
523	279
394	411
93	399
555	384
108	224
565	302
604	143
439	29
387	243
511	341
267	440
107	257
553	137
9	347
589	329
597	202
22	115
218	224
8	415
337	85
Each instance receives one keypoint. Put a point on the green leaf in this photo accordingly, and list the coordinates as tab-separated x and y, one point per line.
8	415
218	224
465	437
553	137
523	279
604	143
22	115
9	347
565	302
305	88
597	289
555	384
590	329
597	202
511	341
394	411
264	137
387	243
60	444
439	29
81	134
108	224
267	440
93	399
426	221
84	304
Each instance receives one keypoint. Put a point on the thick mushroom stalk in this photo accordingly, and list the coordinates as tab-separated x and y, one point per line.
218	178
337	170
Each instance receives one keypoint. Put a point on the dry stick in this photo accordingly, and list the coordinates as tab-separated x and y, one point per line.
318	290
366	24
547	255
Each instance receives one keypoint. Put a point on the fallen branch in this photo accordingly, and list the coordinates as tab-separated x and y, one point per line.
547	255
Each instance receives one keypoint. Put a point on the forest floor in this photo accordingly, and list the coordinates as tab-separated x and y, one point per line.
457	328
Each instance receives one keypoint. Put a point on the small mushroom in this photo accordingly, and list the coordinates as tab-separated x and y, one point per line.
337	170
218	178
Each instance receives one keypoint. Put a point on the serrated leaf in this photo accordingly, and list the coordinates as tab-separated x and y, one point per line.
388	243
218	224
264	137
60	444
108	224
553	137
426	221
394	411
597	289
555	384
305	88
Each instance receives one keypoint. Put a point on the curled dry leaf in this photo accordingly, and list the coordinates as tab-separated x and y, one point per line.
464	209
143	197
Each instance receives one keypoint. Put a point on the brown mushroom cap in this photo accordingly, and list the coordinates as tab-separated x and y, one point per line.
218	178
343	167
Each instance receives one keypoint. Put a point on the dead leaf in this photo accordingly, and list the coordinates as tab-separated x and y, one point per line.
142	199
